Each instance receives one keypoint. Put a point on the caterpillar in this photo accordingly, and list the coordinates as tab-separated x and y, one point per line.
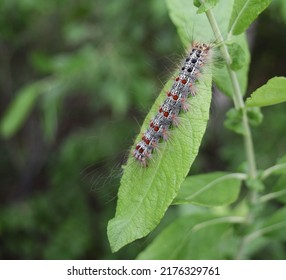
174	104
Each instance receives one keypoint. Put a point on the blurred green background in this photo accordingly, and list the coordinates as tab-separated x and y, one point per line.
76	80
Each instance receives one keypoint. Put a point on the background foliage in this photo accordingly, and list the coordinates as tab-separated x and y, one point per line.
76	78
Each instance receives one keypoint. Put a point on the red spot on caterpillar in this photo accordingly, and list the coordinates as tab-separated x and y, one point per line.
184	81
156	128
160	110
169	93
175	97
137	147
141	150
166	114
147	141
177	79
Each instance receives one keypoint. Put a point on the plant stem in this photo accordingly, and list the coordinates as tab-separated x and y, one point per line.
254	235
270	196
229	219
248	142
272	169
237	97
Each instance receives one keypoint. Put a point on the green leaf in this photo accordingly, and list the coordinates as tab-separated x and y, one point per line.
275	225
234	121
19	110
255	116
255	246
206	5
184	16
221	75
279	168
273	92
280	188
193	237
213	189
197	3
282	8
237	56
244	12
145	193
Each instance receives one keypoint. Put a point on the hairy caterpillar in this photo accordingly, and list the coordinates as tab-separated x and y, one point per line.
174	104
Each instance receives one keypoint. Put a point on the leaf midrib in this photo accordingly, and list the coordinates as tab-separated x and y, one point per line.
238	176
238	16
142	200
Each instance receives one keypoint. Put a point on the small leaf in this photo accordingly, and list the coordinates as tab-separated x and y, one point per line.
201	236
145	193
213	189
244	12
221	75
275	225
19	110
197	3
255	116
206	5
234	121
279	168
273	92
280	187
237	55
